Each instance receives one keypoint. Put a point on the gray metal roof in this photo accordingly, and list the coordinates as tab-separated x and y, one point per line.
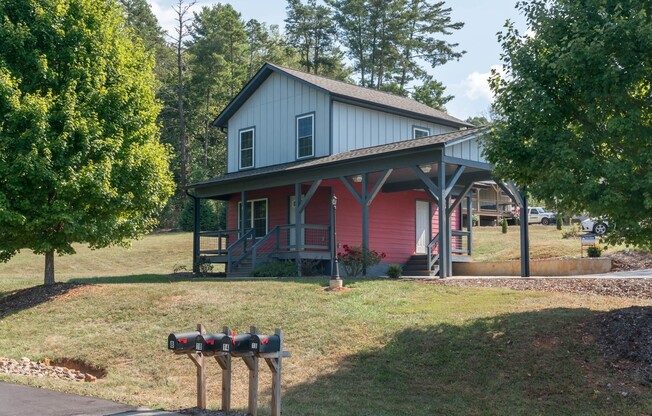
439	140
342	91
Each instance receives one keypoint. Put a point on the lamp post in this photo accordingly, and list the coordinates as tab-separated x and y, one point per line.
335	267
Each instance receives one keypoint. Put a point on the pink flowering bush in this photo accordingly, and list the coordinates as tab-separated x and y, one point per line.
355	259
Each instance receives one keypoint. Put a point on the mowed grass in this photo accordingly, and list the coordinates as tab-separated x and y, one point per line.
382	348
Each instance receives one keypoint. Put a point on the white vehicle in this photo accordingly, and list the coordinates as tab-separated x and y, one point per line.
595	225
538	215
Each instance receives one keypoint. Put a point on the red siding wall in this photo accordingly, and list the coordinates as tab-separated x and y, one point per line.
392	222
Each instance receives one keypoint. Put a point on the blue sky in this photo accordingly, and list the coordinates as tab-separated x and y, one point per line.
465	79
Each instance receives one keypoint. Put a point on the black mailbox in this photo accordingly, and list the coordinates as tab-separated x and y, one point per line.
182	341
212	342
265	343
237	343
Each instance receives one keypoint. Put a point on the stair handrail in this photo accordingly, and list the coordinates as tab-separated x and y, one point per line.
242	240
254	249
432	259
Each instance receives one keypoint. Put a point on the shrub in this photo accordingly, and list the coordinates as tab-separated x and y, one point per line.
594	251
394	271
355	259
504	225
286	268
572	232
204	266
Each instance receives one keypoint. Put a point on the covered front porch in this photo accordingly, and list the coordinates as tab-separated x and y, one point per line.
388	198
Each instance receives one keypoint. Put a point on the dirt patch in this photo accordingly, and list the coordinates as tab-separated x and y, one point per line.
197	412
625	339
625	288
632	260
63	369
34	296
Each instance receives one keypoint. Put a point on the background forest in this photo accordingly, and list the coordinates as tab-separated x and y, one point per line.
383	44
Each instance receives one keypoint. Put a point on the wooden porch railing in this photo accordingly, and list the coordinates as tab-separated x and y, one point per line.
460	242
432	257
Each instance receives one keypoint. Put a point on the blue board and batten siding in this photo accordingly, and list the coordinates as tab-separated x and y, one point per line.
357	127
470	149
272	111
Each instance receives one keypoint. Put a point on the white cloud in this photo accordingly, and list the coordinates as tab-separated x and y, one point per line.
476	85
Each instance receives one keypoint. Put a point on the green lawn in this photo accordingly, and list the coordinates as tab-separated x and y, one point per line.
383	348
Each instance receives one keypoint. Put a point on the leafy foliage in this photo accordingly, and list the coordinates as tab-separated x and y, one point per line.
207	214
394	271
80	159
355	259
284	268
574	110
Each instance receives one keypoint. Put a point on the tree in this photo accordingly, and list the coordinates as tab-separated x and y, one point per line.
478	121
80	160
182	21
311	30
431	93
574	110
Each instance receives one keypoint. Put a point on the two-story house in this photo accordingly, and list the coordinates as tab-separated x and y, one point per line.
299	143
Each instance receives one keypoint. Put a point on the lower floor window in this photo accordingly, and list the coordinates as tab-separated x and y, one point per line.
255	217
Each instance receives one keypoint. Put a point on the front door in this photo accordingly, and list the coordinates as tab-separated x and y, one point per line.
293	210
422	226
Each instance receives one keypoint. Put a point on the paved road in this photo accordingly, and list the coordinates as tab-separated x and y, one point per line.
17	400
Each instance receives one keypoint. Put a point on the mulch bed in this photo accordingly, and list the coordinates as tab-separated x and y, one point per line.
632	260
626	288
626	340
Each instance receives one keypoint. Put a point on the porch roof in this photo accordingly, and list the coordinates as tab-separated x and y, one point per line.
370	159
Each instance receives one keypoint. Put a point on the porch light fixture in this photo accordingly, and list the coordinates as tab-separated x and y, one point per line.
357	178
425	168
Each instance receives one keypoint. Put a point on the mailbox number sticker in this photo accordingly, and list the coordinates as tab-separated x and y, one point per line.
254	345
198	346
225	347
172	344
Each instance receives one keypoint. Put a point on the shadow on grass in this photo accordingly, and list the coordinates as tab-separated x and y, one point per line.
129	279
533	363
19	300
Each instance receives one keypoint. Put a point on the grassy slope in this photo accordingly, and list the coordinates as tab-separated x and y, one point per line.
384	348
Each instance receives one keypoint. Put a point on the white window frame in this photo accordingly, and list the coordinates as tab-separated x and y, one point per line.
253	147
251	214
312	147
421	129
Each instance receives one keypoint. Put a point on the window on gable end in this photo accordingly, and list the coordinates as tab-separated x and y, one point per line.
419	132
305	136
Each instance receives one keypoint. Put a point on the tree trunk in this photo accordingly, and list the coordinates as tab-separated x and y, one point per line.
49	268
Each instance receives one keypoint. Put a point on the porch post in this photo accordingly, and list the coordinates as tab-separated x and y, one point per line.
525	237
196	235
243	212
443	220
365	221
297	225
449	265
469	220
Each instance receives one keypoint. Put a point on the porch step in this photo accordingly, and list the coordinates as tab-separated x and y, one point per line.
418	266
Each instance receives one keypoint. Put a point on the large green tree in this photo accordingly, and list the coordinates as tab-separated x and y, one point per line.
574	110
80	159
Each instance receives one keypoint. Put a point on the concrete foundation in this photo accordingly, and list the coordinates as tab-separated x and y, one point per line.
552	267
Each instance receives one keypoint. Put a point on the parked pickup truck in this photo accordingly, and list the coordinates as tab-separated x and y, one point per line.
538	215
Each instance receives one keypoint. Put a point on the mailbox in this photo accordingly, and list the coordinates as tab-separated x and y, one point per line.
265	343
212	342
238	343
182	341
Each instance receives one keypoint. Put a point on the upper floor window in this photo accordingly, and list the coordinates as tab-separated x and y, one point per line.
419	132
247	148
305	136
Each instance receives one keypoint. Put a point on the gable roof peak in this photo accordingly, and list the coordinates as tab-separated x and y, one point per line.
340	90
